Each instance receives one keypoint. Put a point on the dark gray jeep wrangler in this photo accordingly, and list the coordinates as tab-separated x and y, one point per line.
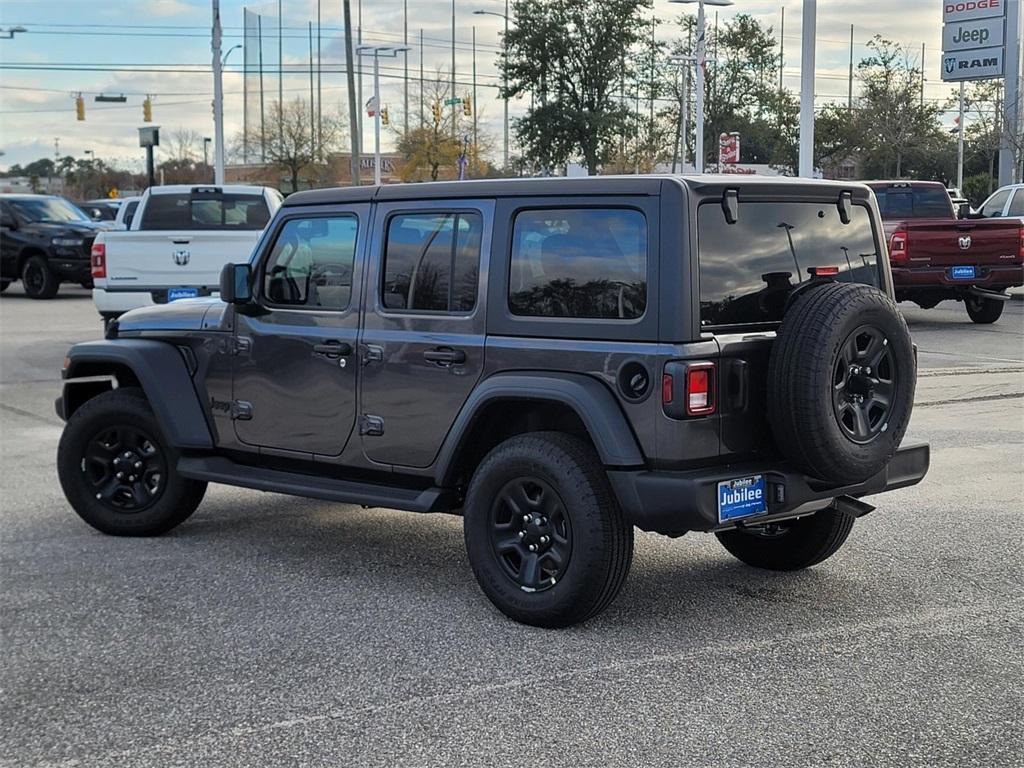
557	360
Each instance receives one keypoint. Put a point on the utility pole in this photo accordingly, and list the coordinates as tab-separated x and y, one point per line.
263	116
319	92
452	94
280	74
218	100
473	103
422	117
405	56
922	74
849	92
359	63
782	47
807	33
353	114
960	144
312	100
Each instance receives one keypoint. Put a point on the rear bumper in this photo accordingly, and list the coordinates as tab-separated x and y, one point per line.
676	502
993	277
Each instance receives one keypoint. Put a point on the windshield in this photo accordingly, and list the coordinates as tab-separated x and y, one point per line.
47	209
907	202
748	269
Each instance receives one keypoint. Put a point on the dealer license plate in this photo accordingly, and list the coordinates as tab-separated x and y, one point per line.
742	497
173	294
962	273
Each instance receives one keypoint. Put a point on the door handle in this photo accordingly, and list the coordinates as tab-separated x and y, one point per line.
333	349
445	356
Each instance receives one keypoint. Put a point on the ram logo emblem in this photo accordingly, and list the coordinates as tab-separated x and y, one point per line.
965	242
181	257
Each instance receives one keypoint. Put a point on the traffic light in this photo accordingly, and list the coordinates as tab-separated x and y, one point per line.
147	110
79	107
467	107
384	116
436	107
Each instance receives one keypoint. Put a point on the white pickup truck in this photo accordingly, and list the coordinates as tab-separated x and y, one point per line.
179	238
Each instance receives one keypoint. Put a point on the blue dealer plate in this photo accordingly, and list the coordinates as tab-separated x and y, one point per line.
962	273
173	294
742	497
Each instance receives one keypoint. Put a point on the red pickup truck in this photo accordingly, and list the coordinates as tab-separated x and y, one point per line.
937	256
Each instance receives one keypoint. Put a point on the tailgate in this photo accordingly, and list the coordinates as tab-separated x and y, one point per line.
939	243
161	259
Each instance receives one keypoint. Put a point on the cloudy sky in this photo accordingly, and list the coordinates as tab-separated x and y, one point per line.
161	47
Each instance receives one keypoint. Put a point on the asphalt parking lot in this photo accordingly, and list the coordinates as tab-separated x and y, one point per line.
272	631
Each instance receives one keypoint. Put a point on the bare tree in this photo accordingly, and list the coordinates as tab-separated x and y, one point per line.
294	150
182	145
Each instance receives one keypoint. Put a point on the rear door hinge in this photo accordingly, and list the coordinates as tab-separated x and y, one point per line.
371	425
241	410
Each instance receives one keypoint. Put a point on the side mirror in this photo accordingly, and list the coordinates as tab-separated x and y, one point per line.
8	222
963	211
236	284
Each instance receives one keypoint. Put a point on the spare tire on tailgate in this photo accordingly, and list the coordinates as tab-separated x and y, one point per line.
841	381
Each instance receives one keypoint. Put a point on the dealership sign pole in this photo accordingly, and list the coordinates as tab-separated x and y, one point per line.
981	41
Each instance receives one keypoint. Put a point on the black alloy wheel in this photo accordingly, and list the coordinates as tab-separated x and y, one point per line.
531	534
125	468
864	384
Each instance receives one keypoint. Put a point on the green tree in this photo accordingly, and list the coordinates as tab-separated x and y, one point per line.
569	56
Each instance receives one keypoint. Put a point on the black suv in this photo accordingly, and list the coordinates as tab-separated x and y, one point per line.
557	360
45	240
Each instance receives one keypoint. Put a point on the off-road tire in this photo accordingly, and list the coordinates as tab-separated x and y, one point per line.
809	409
38	279
791	545
983	311
601	539
126	409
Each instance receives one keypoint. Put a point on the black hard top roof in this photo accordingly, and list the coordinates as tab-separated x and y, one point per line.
556	186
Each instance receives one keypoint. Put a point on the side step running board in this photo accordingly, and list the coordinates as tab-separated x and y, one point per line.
217	469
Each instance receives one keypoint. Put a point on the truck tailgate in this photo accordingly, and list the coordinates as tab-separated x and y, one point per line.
968	242
139	260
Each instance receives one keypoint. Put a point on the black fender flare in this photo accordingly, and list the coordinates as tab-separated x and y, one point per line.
592	401
162	373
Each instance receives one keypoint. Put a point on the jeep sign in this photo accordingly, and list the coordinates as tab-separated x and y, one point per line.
973	64
961	35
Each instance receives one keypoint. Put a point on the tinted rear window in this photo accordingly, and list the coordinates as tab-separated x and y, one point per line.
748	269
914	202
579	262
186	211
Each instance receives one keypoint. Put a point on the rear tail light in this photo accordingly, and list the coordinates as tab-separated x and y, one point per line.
700	389
899	251
98	260
1020	251
823	271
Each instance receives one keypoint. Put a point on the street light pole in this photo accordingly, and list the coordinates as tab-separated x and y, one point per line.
377	51
807	31
504	74
218	99
684	62
700	53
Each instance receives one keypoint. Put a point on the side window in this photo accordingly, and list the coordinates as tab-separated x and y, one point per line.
311	263
1017	205
129	213
993	208
585	262
432	262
